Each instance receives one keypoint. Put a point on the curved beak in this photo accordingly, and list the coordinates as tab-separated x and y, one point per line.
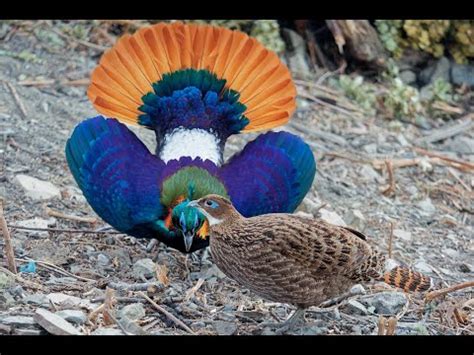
193	203
188	240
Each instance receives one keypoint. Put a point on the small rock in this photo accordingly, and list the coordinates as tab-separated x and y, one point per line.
38	299
437	70
462	74
466	268
107	331
18	321
368	173
23	331
370	148
356	220
427	206
134	311
304	214
331	217
53	323
451	253
103	260
408	77
37	189
405	328
402	140
37	223
225	328
355	307
385	303
357	290
73	316
53	280
67	301
422	267
144	268
404	235
462	144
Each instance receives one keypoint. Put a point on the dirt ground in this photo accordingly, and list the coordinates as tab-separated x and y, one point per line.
428	201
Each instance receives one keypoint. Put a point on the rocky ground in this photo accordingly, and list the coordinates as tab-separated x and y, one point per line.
373	174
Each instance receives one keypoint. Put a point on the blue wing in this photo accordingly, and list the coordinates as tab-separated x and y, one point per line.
118	175
272	174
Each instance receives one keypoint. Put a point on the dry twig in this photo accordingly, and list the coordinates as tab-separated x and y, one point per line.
9	252
166	313
17	99
438	293
58	214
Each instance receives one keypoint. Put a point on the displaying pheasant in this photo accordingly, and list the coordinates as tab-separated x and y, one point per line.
194	86
296	260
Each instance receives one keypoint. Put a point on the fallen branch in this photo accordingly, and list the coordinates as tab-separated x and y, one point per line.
17	99
190	293
390	189
50	82
59	230
144	286
464	124
58	214
9	252
166	313
438	293
458	164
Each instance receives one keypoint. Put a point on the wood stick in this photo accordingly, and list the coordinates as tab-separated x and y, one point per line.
166	313
467	165
17	99
59	230
390	239
49	82
464	124
58	214
438	293
9	251
390	189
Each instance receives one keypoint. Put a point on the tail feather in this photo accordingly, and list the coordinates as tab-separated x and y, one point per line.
137	63
408	280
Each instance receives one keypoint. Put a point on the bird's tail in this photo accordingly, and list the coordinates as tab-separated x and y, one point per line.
408	280
173	75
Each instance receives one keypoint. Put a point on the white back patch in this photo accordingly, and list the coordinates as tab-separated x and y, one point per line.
192	143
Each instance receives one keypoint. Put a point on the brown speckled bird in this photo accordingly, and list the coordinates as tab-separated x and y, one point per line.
296	260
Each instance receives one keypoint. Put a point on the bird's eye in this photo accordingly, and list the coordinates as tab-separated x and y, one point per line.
211	203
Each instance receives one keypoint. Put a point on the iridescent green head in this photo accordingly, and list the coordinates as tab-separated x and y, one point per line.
189	221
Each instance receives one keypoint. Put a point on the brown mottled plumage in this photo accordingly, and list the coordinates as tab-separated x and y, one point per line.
296	260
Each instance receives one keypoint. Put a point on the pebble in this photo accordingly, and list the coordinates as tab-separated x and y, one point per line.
144	268
427	206
18	321
37	223
355	307
405	328
72	315
368	173
225	328
331	217
38	299
356	219
37	189
103	260
462	145
107	331
422	267
134	311
385	303
357	290
451	253
63	300
462	74
400	233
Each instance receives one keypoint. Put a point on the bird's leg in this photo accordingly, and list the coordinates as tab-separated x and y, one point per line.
295	318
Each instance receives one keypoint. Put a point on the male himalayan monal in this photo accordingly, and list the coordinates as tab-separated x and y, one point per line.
194	86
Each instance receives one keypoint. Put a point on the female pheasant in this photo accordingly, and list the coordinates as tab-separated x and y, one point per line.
296	260
194	86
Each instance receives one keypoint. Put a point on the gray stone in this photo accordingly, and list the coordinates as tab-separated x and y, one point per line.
407	77
437	70
68	301
422	267
144	268
451	253
385	303
53	280
462	144
225	328
72	315
134	311
37	189
103	260
368	173
462	74
356	220
38	299
107	331
404	235
331	217
18	321
426	206
355	307
370	148
405	328
53	323
37	223
357	290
